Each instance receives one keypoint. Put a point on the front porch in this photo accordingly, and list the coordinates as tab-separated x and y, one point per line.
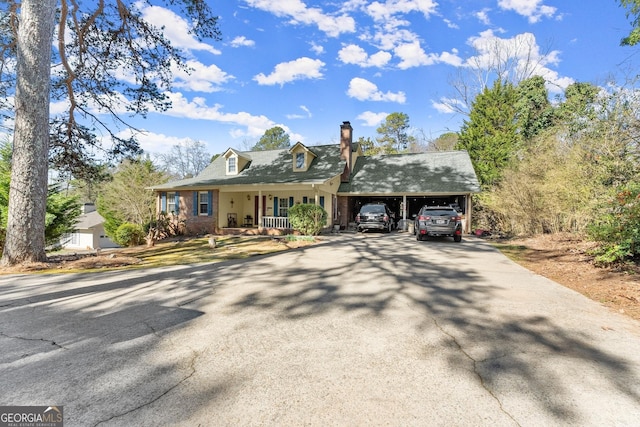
271	226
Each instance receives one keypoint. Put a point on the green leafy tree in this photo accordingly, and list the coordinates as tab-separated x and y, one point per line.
579	110
368	146
533	110
307	218
126	199
394	137
96	41
445	142
273	139
62	211
490	135
62	215
633	13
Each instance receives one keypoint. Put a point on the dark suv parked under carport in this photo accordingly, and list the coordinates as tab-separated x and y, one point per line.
374	216
438	221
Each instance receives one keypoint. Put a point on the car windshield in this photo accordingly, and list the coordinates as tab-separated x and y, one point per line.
433	212
372	209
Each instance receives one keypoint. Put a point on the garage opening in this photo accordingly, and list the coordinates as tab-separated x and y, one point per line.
414	203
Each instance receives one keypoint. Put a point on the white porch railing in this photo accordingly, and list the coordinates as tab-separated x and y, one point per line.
279	222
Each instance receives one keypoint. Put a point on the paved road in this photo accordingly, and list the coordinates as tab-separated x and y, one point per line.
369	329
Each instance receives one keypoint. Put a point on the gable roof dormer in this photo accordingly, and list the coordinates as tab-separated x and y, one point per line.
235	162
302	157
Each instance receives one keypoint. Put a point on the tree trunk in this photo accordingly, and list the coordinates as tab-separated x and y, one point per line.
28	191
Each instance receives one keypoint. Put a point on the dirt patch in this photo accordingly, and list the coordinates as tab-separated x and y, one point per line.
565	259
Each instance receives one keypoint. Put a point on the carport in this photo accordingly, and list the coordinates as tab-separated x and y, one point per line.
408	182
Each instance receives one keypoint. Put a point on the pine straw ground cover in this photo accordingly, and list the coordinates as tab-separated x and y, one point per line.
565	259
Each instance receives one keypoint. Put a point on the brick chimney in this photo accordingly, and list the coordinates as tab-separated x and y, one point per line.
346	149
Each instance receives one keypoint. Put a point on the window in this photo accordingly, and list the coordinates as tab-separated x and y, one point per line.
171	202
283	206
203	203
231	165
299	160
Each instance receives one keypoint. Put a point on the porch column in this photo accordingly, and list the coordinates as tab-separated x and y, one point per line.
260	209
468	213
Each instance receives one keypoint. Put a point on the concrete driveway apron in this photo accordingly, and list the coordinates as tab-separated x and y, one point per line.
366	329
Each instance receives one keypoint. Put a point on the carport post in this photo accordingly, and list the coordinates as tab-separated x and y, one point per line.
404	212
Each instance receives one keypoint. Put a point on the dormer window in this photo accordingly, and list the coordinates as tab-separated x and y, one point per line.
232	166
302	157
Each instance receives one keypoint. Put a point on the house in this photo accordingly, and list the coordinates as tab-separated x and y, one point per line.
253	190
89	233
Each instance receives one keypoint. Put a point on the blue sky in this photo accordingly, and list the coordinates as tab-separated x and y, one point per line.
307	66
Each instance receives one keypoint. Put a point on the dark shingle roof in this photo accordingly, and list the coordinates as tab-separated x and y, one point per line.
267	167
443	172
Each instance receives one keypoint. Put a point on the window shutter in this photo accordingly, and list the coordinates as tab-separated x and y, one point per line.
275	207
195	203
322	201
210	203
163	202
290	201
177	203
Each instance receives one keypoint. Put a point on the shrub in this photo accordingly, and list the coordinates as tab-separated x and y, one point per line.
129	235
618	231
308	219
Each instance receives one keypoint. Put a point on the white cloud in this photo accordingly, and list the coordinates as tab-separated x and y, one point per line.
242	41
201	78
519	56
332	25
285	72
176	29
447	105
248	125
371	119
364	90
412	55
317	49
451	24
384	11
308	114
532	9
483	16
353	54
389	38
199	110
152	142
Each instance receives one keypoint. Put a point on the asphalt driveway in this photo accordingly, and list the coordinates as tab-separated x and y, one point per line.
367	329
